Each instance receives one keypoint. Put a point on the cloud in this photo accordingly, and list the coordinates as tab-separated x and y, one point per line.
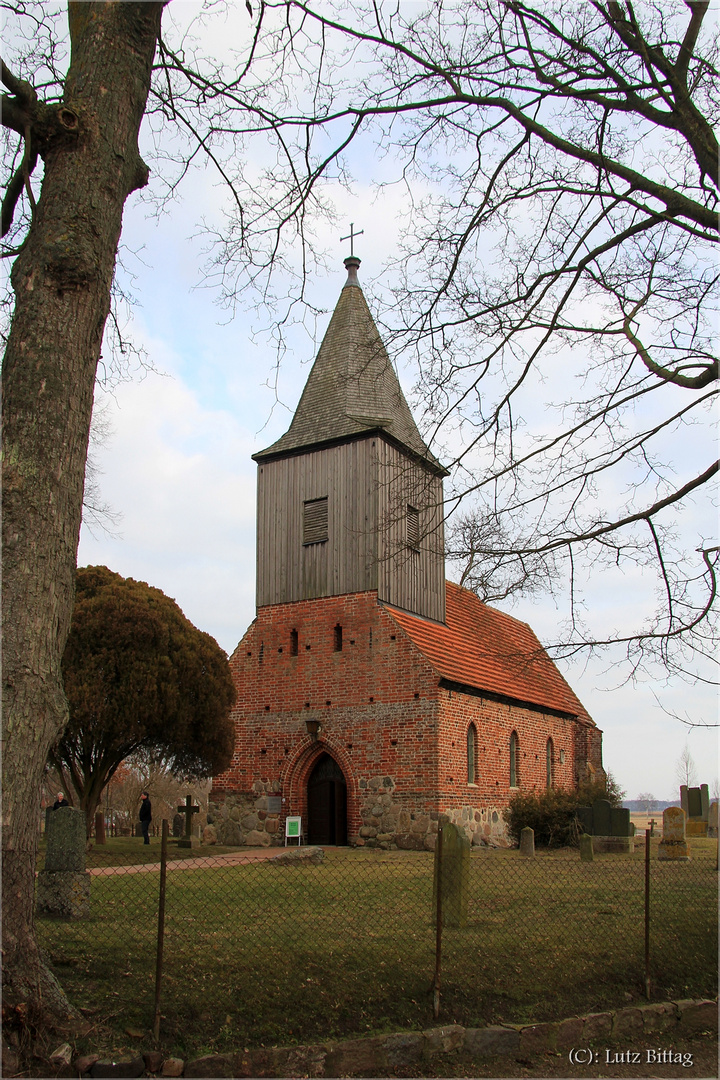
181	476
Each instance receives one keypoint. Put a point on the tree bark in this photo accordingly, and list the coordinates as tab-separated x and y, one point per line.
61	280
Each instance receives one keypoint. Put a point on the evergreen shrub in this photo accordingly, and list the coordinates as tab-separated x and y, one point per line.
552	813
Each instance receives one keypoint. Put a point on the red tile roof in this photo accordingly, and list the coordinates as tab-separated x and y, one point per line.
486	649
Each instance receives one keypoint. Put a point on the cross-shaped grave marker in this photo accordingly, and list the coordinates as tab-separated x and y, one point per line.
188	840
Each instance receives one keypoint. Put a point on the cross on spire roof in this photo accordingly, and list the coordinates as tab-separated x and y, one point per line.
351	236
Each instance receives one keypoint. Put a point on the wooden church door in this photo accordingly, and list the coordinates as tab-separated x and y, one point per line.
327	803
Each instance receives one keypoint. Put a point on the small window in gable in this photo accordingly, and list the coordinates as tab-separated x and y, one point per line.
315	521
471	754
413	527
337	638
293	642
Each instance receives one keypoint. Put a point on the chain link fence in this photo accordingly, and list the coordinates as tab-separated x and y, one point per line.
258	951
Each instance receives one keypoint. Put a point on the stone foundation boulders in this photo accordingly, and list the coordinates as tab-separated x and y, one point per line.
244	819
406	1050
403	1051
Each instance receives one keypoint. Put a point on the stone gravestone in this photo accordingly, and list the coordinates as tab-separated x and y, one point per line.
586	847
63	887
694	800
454	874
696	804
188	840
622	830
713	819
613	832
178	826
620	824
527	842
602	813
673	846
704	801
610	826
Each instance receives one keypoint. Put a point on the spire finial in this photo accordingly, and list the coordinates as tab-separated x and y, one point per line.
352	262
351	265
351	236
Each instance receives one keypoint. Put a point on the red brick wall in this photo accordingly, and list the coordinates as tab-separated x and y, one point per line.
494	723
400	739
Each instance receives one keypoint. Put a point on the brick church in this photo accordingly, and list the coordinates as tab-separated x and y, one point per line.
374	695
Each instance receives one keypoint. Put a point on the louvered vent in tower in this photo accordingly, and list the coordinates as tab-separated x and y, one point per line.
315	521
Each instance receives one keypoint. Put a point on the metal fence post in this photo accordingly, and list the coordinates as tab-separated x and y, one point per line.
161	929
438	927
647	914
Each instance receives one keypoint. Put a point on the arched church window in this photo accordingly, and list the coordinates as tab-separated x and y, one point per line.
472	754
514	748
549	757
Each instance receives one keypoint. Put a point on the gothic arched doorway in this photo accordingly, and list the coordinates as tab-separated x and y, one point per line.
327	803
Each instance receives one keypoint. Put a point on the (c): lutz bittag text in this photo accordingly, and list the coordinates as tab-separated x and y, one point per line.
584	1055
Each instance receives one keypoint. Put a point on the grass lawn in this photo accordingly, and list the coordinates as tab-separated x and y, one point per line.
263	954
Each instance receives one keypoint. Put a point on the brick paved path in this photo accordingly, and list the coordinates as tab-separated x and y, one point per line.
206	862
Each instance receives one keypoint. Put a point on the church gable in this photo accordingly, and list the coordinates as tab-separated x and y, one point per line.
336	653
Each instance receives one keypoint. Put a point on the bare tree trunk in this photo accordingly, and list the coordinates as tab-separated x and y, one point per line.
62	281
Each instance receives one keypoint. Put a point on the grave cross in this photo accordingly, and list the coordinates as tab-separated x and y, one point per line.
351	236
188	810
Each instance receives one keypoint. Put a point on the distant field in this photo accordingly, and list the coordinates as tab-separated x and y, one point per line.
641	821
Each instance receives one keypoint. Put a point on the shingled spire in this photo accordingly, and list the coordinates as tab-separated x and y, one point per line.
352	389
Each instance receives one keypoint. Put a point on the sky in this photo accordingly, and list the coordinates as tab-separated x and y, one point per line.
175	464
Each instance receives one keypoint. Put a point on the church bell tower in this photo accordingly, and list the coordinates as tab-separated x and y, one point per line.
350	499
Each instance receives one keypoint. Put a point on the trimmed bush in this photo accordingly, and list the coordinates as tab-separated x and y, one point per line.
552	813
609	789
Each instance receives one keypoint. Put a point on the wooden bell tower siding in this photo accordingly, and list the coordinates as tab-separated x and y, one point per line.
418	687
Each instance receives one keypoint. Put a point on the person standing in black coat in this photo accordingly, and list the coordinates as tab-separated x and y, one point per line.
60	801
145	816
